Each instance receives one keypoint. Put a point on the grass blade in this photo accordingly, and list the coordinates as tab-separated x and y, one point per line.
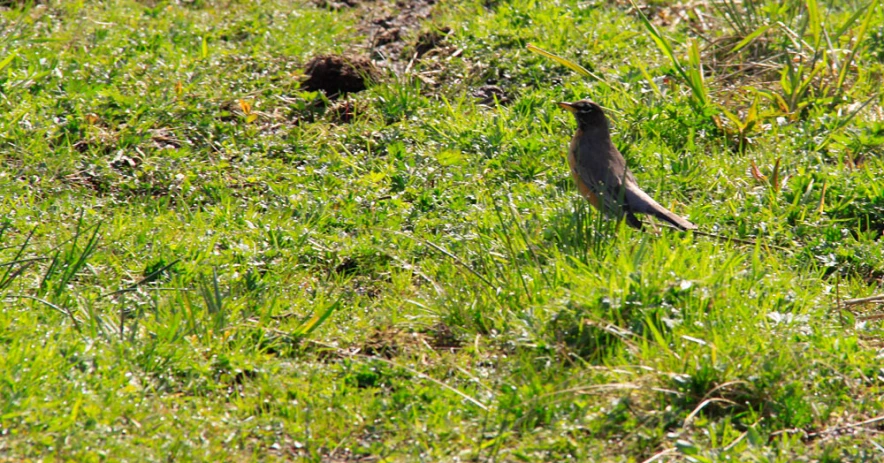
662	43
8	60
750	38
6	279
844	122
578	69
775	177
148	279
565	62
868	9
696	74
316	320
842	73
813	19
647	76
693	77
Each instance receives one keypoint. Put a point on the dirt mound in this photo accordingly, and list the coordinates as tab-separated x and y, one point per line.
336	75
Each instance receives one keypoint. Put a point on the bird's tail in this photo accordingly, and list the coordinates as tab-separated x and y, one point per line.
661	213
639	201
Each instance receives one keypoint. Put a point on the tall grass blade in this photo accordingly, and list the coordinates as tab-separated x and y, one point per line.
695	71
844	122
316	320
693	77
858	40
528	246
814	22
67	263
8	60
80	262
514	257
148	279
210	291
565	62
775	177
61	310
9	276
460	262
579	69
869	9
750	38
648	78
662	43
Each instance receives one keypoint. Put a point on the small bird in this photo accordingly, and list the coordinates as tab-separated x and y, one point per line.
601	173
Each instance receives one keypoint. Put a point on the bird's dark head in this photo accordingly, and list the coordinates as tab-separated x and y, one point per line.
588	113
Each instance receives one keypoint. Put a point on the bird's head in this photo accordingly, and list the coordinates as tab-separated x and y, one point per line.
588	114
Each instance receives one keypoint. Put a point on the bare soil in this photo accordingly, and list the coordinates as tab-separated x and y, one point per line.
337	75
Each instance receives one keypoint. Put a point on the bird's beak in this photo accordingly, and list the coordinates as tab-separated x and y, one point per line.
567	106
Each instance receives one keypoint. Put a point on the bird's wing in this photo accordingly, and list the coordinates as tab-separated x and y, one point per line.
605	177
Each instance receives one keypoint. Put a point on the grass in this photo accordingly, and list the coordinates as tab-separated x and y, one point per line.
201	261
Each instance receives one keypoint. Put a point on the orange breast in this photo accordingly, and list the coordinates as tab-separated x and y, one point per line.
581	187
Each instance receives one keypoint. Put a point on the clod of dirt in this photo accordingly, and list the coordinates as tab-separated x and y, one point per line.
386	22
430	40
90	176
336	75
488	94
388	36
443	338
335	6
124	162
164	138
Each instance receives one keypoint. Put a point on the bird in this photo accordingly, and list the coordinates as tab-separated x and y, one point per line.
601	174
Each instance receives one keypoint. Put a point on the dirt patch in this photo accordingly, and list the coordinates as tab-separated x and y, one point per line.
398	40
393	32
337	75
491	95
90	176
334	5
390	342
442	337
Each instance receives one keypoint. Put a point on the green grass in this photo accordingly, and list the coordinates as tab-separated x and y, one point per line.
183	282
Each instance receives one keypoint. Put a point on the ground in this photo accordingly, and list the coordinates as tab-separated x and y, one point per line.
346	231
